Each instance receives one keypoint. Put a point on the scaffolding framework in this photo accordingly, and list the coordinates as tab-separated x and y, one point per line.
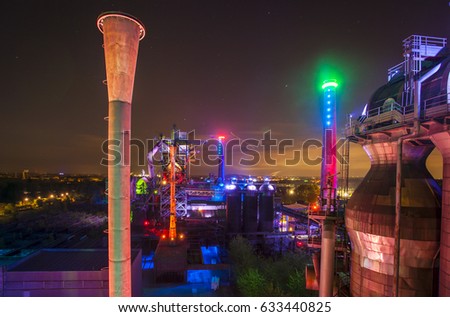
416	49
180	198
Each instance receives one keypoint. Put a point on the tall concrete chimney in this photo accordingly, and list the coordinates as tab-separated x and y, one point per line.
121	35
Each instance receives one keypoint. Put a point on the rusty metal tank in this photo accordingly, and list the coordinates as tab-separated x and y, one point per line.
370	222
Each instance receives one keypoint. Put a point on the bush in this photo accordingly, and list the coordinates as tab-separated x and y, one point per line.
242	255
251	283
10	209
256	276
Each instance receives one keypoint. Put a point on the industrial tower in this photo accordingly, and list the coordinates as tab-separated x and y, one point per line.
400	241
326	214
121	36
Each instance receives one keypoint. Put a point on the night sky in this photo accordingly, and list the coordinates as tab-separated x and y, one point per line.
234	67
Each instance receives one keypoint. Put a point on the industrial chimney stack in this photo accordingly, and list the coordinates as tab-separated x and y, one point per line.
121	36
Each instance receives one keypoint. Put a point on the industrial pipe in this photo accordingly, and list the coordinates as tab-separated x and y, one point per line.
150	157
173	202
221	154
398	210
398	180
121	35
327	258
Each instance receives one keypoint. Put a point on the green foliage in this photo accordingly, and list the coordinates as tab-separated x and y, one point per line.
304	193
242	254
288	274
10	209
257	276
296	283
272	290
308	192
252	283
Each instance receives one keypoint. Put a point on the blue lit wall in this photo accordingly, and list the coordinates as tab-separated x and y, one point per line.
205	276
147	261
210	255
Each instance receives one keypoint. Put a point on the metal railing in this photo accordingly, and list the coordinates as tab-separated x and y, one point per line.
397	69
394	114
437	107
427	44
437	101
316	241
392	106
385	115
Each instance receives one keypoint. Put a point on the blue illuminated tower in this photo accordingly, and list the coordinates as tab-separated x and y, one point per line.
328	186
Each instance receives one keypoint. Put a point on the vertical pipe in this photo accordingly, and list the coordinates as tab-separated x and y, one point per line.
173	202
221	154
121	35
398	181
327	257
398	210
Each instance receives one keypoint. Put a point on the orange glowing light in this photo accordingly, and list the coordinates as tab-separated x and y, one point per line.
221	137
163	236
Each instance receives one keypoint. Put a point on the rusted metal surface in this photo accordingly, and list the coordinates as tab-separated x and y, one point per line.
370	221
442	142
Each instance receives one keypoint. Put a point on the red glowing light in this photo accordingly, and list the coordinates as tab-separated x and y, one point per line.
299	244
221	137
146	223
163	236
